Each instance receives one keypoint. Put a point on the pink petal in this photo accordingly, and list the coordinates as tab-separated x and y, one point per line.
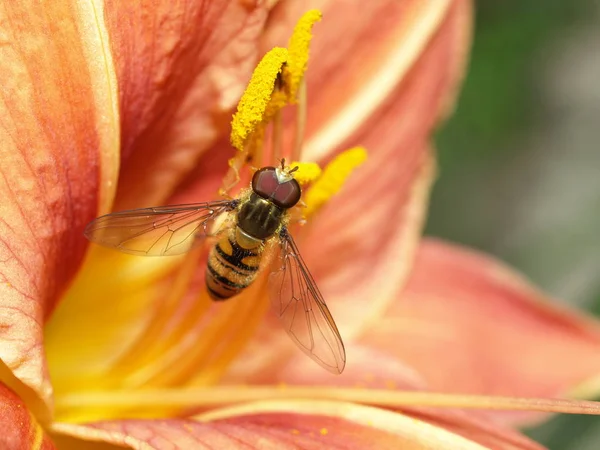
18	428
181	68
469	324
361	247
275	425
59	155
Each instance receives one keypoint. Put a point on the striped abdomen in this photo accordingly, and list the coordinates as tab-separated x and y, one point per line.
230	267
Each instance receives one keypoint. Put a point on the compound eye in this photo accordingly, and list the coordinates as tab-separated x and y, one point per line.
283	194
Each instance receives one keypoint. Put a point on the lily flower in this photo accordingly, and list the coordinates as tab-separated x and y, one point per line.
114	105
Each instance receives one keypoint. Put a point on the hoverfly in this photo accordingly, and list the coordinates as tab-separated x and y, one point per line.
255	222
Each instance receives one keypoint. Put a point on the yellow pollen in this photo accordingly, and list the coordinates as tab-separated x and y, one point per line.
307	172
295	431
333	178
253	104
323	431
298	48
264	97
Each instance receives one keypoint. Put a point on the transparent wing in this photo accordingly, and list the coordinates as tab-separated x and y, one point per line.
302	310
158	231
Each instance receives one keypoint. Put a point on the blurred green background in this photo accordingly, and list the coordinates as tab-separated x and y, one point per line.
519	160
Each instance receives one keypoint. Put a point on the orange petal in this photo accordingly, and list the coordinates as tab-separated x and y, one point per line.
182	67
361	247
276	425
18	428
361	53
469	324
59	153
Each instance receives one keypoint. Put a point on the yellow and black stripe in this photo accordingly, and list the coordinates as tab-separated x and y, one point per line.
231	268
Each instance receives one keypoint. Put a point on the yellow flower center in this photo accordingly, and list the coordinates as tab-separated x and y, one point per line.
132	324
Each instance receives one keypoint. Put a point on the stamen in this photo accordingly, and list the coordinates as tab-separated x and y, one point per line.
232	177
334	176
277	81
253	104
277	136
159	399
306	172
300	120
298	50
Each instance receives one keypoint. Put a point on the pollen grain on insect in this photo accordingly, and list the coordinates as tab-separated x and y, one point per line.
323	431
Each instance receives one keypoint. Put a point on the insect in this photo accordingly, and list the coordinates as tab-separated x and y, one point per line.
243	230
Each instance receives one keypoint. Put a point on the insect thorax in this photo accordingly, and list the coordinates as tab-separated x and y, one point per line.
259	218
